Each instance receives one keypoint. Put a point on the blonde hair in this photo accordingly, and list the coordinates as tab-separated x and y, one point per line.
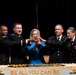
38	32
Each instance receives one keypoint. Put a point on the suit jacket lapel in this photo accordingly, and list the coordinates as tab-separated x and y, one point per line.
75	41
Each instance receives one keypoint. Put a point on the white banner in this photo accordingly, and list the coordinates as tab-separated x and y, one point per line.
39	70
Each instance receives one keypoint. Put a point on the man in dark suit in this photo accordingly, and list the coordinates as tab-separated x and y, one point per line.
71	45
5	45
18	53
57	46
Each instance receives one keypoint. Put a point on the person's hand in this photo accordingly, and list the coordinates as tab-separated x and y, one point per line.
38	42
27	40
32	39
74	47
42	39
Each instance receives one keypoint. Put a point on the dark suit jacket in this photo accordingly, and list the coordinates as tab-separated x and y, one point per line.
18	52
5	45
57	49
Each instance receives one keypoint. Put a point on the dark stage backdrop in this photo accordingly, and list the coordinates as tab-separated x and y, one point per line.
50	12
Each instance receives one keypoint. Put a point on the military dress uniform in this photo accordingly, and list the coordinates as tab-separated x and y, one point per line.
71	51
18	55
5	45
57	49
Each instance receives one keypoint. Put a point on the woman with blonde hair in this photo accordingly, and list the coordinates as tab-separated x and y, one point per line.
35	48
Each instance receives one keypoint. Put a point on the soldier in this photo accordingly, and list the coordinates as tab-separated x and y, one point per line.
71	45
5	44
18	52
57	45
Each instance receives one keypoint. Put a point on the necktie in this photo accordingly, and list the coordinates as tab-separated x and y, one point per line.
58	39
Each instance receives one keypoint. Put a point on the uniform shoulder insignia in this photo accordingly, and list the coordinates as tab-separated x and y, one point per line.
4	36
64	37
52	36
12	34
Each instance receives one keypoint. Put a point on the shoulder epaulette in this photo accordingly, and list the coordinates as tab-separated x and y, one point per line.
12	34
65	37
52	36
4	36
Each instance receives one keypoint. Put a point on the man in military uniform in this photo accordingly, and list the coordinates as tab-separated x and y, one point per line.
57	46
18	53
5	45
71	45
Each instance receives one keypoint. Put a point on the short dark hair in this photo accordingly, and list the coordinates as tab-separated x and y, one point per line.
2	25
59	25
16	24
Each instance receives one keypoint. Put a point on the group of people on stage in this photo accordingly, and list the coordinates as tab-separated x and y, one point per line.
62	49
